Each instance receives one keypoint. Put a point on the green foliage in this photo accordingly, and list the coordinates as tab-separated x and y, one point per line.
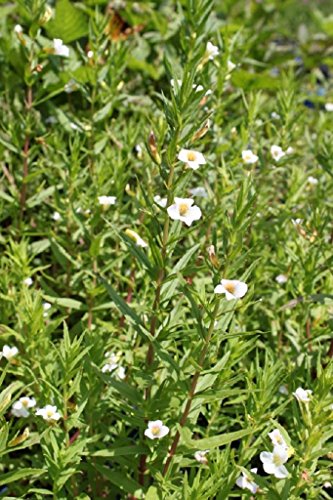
110	302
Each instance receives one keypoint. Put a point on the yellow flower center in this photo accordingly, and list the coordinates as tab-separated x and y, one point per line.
230	287
25	403
183	209
191	156
155	430
49	413
277	460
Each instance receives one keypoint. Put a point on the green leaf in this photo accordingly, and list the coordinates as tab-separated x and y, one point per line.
69	23
123	450
168	289
10	477
70	303
215	441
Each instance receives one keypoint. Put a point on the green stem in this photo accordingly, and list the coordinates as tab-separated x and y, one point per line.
192	390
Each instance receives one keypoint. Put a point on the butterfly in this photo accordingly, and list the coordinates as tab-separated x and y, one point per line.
119	29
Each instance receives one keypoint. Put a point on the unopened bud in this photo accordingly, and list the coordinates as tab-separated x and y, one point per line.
202	131
212	256
46	16
153	148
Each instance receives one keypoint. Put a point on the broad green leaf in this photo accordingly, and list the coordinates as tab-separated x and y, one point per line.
69	24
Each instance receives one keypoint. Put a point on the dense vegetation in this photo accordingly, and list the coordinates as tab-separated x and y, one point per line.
166	200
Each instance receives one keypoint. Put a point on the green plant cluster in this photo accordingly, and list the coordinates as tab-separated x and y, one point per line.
110	302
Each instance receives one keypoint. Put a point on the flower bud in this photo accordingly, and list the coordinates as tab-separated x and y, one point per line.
212	256
202	131
48	13
153	147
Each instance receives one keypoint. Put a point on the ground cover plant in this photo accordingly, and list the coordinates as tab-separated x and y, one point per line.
166	201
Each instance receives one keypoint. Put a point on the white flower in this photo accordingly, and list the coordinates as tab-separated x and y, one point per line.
289	150
273	462
135	237
139	152
156	429
59	48
56	216
20	408
297	222
200	456
70	86
233	289
283	390
275	115
230	65
312	180
183	210
162	202
199	191
49	413
107	200
193	159
302	395
281	279
121	372
172	83
90	54
9	352
245	482
277	152
249	157
211	50
277	439
46	306
329	106
18	29
109	367
28	281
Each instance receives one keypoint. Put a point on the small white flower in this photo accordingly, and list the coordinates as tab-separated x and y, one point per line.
183	210
121	372
193	159
70	86
249	157
156	429
297	222
275	115
273	462
230	66
302	395
49	413
135	237
47	306
289	150
329	106
283	390
199	191
312	180
172	83
277	439
106	201
281	279
59	48
233	289
162	202
18	29
211	50
56	216
109	367
21	407
28	281
139	152
245	482
200	456
90	54
277	152
9	352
